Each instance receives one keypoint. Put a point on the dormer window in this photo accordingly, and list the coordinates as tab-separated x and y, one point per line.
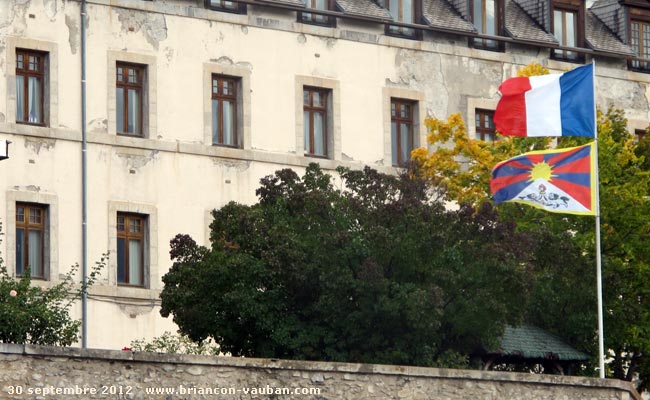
317	19
404	11
568	27
640	42
226	5
486	15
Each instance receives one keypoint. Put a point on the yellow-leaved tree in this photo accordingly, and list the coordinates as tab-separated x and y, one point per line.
462	165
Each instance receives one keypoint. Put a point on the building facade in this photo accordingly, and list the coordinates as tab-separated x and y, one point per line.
190	102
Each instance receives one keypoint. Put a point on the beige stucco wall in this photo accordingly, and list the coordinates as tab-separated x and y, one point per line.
174	175
35	370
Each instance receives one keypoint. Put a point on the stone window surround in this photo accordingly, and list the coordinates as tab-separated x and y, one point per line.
51	240
333	117
151	272
50	86
636	124
472	105
149	103
419	129
243	102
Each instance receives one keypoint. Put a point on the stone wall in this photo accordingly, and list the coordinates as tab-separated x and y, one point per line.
34	372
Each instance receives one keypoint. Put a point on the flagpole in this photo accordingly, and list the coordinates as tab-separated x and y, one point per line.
599	274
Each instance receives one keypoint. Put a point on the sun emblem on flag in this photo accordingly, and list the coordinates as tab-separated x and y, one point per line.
541	171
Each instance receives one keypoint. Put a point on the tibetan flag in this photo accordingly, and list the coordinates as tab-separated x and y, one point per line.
548	105
559	180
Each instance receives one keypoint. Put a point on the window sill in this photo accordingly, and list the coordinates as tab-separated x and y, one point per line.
42	125
317	156
130	135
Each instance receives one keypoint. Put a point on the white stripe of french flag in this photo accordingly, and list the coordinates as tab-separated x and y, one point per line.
548	105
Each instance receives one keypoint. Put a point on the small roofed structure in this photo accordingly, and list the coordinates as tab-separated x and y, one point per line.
527	347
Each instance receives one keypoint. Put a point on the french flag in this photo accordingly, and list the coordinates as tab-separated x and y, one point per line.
548	105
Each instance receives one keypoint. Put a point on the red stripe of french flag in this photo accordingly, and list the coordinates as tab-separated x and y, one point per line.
547	105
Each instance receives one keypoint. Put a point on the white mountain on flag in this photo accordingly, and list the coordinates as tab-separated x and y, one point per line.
544	194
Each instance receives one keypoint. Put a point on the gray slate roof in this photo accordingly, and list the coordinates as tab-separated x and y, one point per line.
531	342
601	38
537	10
612	14
365	8
521	26
605	25
440	14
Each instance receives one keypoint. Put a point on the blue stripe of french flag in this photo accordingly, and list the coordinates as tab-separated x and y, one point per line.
548	105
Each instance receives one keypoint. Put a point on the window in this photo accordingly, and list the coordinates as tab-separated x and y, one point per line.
30	82
486	17
226	5
129	98
640	134
485	125
224	110
315	105
405	11
30	239
567	28
640	42
131	230
401	128
317	19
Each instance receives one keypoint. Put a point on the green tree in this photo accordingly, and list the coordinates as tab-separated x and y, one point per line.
37	315
562	287
377	272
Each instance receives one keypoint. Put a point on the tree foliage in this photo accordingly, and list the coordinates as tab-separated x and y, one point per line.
562	291
38	315
375	272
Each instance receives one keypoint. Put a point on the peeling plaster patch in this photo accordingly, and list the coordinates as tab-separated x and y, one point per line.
2	117
346	157
423	72
169	53
627	95
239	166
135	162
223	60
267	22
98	125
73	33
33	188
49	7
329	42
244	30
7	14
379	162
302	39
133	311
35	145
13	14
360	36
153	26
